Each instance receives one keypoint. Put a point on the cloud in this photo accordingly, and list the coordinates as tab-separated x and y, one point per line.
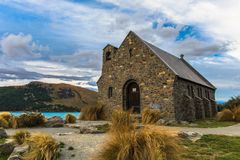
19	46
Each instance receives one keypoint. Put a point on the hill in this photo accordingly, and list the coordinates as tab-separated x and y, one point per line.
38	96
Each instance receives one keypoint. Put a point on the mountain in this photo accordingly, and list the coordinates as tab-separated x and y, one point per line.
38	96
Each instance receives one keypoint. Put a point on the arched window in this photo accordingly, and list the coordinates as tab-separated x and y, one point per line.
108	56
130	52
110	92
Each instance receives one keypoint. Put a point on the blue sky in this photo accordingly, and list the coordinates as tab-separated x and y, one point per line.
61	40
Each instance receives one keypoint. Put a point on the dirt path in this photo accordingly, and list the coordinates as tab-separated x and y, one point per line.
229	131
86	145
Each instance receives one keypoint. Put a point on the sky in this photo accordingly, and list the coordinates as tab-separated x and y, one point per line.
61	41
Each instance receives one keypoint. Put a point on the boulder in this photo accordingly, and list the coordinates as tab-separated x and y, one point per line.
54	122
18	152
6	148
3	133
193	136
161	122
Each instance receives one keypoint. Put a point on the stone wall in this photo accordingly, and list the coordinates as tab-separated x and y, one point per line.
201	105
154	78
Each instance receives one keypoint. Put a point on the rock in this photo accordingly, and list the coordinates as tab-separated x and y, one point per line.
193	136
3	133
171	122
55	121
18	152
161	122
184	122
89	130
6	148
64	134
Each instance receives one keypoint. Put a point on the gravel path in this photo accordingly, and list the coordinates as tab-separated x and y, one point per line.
86	145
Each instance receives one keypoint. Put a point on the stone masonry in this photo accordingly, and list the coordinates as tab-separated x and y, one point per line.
159	86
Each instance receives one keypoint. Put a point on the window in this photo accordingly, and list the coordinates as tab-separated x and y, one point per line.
199	90
190	91
110	92
207	94
108	56
130	52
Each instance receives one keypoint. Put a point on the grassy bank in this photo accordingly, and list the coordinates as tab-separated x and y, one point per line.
213	147
2	140
210	123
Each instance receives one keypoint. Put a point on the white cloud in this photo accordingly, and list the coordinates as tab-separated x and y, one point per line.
20	45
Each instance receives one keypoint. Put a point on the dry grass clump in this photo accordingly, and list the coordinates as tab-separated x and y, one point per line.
121	122
21	136
70	118
42	147
151	116
3	123
225	115
237	114
30	120
7	120
92	113
125	142
148	143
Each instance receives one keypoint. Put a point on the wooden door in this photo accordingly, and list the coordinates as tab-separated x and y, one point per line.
133	97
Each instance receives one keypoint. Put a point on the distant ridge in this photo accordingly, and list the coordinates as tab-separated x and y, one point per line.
39	96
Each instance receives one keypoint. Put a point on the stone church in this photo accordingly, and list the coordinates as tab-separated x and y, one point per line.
139	74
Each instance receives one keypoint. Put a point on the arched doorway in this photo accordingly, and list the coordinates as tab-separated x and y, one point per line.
131	97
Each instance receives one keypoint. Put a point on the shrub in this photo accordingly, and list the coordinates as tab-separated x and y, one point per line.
233	102
30	120
70	118
237	114
225	115
121	121
148	143
42	147
151	116
11	123
92	113
3	123
20	136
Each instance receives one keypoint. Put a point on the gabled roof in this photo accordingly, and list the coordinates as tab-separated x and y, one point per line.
178	65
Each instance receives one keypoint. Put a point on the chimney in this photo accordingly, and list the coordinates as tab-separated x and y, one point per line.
182	56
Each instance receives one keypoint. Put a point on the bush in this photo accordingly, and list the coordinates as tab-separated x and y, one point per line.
151	116
20	136
92	113
6	115
3	123
30	120
121	121
9	119
42	147
237	114
225	115
232	103
148	143
70	118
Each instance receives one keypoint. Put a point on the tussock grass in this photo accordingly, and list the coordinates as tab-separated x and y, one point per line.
121	122
151	116
3	123
42	147
237	114
21	136
126	142
7	120
92	113
225	115
30	120
149	143
70	118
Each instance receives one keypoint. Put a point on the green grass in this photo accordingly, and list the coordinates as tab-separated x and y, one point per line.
2	140
2	157
213	147
210	123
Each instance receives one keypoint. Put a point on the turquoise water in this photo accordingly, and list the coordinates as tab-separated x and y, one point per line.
51	114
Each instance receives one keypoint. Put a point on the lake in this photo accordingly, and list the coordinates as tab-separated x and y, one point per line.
51	114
